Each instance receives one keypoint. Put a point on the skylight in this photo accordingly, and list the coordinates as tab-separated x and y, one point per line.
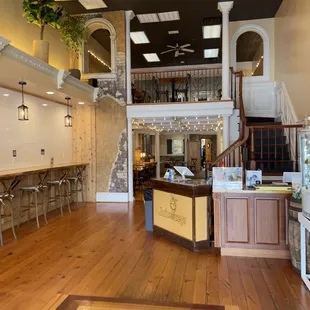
93	4
148	18
211	32
173	32
211	53
169	16
139	37
152	57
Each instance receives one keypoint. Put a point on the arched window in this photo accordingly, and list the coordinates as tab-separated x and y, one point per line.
250	54
99	53
249	40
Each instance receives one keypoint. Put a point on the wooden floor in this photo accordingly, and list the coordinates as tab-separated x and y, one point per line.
103	250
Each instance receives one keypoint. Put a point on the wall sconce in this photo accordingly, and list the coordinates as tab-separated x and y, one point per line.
68	117
143	155
22	109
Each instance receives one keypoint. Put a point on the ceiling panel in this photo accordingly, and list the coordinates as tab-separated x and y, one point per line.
192	16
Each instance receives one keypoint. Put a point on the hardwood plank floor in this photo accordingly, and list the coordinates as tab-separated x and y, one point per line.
103	250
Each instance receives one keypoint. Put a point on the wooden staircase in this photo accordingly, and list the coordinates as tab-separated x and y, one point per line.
270	147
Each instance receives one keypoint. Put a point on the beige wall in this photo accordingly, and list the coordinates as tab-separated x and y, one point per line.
292	46
15	28
268	25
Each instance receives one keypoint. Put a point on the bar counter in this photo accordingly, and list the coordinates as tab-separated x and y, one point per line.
251	223
181	212
38	169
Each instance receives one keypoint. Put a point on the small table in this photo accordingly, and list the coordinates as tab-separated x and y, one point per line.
304	225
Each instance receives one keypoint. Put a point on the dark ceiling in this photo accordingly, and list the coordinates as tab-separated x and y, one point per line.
192	16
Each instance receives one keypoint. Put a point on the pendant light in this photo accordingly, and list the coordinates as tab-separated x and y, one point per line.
68	117
23	109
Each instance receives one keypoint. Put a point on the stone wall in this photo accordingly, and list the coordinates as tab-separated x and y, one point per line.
103	141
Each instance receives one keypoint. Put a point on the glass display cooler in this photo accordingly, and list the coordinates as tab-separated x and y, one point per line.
305	170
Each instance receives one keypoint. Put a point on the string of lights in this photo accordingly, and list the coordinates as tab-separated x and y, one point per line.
99	59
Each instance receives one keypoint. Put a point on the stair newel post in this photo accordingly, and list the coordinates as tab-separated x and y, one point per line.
296	150
252	159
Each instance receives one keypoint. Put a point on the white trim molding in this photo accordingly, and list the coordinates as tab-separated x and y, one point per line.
111	197
178	109
265	36
3	43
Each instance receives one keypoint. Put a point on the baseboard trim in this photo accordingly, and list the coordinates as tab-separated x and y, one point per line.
111	197
282	254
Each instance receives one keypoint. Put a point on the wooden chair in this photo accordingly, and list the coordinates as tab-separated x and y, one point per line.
159	92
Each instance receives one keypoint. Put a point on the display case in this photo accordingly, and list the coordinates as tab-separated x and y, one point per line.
305	169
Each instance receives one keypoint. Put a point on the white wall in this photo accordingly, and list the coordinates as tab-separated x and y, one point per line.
163	143
44	130
292	47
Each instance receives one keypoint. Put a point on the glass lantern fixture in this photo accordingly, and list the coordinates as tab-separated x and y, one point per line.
23	109
68	117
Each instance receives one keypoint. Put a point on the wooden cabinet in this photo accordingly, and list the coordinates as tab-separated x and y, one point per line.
251	223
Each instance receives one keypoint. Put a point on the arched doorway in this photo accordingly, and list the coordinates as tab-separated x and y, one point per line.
262	33
250	54
99	53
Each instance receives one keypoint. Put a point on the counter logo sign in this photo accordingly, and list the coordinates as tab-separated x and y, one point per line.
171	214
173	203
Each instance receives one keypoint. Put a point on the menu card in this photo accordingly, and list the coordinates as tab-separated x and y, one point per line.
227	178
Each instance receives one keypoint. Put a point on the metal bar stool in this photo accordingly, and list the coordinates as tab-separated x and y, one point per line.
77	184
62	191
33	192
7	195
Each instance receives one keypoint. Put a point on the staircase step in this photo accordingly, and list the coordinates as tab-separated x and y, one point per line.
270	134
279	148
261	120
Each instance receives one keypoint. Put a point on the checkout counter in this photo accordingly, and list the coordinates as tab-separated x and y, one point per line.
182	212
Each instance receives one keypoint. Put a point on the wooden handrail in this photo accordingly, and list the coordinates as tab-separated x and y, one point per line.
243	132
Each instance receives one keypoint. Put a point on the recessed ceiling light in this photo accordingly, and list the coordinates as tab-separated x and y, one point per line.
6	95
44	104
212	32
93	4
50	92
148	18
182	62
152	57
211	53
139	37
173	32
169	16
80	102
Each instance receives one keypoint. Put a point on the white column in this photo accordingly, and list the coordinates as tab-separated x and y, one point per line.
225	8
185	147
157	154
130	160
226	143
129	16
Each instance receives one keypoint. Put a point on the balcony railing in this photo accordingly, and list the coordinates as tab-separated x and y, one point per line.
177	86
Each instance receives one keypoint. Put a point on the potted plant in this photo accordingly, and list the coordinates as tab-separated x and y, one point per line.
73	33
42	13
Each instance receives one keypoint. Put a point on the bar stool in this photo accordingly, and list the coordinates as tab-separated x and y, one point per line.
11	215
8	195
62	191
77	184
33	193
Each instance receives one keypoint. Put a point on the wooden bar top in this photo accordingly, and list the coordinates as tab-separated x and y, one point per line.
36	169
189	187
251	191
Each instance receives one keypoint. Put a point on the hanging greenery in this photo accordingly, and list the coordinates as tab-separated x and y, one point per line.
43	13
73	32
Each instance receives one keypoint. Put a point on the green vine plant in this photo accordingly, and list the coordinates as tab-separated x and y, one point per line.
43	13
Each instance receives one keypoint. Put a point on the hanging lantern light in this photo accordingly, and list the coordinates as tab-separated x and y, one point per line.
68	117
23	109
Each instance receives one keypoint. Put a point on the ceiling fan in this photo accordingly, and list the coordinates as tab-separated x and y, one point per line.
179	50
